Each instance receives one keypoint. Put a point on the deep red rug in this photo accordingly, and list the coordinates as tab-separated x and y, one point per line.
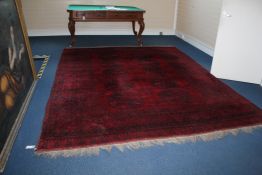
107	96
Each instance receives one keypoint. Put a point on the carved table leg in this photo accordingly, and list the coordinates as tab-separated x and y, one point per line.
141	29
134	28
71	27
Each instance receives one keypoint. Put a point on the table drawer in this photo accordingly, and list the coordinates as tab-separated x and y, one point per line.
122	15
89	15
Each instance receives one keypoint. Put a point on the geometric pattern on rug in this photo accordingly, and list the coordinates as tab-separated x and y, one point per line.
132	97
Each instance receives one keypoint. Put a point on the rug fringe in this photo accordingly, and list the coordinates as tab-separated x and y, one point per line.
134	145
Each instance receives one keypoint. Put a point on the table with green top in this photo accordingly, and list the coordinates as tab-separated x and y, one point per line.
106	13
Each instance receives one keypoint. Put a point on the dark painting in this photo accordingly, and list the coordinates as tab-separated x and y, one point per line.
16	72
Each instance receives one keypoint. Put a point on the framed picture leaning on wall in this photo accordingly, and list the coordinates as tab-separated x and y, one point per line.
17	74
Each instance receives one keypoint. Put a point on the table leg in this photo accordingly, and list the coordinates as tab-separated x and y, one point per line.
141	29
134	27
71	27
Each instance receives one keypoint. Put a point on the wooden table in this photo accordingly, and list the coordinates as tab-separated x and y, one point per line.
102	13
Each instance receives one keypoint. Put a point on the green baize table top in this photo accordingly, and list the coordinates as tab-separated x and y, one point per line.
81	7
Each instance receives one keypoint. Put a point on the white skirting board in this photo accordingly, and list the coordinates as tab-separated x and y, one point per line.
81	31
196	43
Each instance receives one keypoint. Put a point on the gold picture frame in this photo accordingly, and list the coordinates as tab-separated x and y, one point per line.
17	74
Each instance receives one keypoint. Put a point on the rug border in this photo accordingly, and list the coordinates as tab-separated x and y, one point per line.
145	143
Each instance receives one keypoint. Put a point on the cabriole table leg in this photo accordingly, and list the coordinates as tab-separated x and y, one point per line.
71	27
141	29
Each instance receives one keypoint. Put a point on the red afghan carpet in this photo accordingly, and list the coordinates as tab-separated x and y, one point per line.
110	96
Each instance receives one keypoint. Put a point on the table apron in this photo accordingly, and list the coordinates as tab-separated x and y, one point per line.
107	20
105	15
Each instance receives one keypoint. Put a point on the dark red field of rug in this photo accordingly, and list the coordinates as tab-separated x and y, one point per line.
114	95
